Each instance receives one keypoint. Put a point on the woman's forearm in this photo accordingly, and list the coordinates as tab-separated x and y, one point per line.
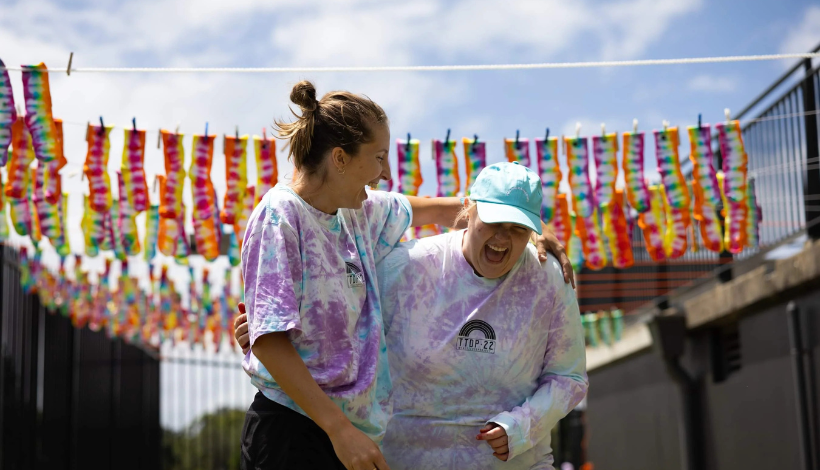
435	210
287	368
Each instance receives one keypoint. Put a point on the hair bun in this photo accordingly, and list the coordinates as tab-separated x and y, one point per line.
304	95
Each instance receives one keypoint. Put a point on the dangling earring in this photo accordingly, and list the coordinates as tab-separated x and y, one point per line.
341	171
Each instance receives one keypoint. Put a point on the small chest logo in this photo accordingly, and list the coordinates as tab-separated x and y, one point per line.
478	336
355	278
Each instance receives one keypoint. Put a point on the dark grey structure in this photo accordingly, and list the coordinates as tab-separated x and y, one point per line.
70	398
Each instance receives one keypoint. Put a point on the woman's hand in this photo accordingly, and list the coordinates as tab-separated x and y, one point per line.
496	437
548	242
355	450
240	329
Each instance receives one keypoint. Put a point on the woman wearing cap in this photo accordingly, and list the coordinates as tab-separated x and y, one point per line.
485	342
314	315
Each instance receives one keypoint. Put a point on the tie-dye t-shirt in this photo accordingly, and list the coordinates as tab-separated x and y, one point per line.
466	350
313	275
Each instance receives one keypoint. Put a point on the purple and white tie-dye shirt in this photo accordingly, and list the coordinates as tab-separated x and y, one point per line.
313	275
465	350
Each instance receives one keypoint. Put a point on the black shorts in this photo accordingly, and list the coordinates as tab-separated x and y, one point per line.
276	437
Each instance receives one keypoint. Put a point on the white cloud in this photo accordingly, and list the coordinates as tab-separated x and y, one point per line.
805	36
712	84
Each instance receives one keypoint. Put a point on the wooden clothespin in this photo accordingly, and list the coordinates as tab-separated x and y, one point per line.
603	130
577	130
70	59
236	130
728	115
635	126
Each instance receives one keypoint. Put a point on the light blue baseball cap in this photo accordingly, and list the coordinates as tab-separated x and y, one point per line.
508	193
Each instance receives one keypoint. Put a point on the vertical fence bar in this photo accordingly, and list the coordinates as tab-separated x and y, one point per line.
812	188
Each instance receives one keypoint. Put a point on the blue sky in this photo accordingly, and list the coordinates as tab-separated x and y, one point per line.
364	32
370	32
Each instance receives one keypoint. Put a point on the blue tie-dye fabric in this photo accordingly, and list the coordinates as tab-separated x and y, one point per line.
450	377
313	275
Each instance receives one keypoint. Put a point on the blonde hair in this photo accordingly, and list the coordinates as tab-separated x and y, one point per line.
339	119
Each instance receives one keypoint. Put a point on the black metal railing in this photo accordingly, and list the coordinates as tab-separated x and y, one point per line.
69	397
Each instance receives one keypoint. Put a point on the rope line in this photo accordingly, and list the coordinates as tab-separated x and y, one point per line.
435	68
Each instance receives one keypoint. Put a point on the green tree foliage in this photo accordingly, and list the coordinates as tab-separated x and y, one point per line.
211	442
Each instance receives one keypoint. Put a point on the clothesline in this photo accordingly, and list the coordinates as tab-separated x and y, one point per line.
499	141
434	68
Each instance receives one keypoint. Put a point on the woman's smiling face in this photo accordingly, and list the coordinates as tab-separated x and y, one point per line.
493	249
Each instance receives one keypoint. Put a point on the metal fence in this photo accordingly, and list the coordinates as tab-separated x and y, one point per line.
70	398
781	141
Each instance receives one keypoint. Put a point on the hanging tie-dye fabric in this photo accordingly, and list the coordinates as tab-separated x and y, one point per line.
677	224
447	177
62	244
96	167
21	212
267	173
244	215
561	223
409	167
168	230
755	216
605	150
47	213
575	249
666	151
550	172
705	187
207	234
735	219
636	191
475	159
575	148
236	178
53	179
517	150
735	161
93	227
617	233
133	171
200	175
703	171
653	224
8	114
151	233
127	222
234	256
182	248
170	206
39	119
588	230
22	155
114	234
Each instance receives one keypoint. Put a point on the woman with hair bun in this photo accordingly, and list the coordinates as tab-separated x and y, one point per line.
318	351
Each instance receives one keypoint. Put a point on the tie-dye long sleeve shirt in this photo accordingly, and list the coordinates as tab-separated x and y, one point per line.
313	275
466	350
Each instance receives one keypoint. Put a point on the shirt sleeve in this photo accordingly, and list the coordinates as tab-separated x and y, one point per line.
271	268
388	217
562	384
